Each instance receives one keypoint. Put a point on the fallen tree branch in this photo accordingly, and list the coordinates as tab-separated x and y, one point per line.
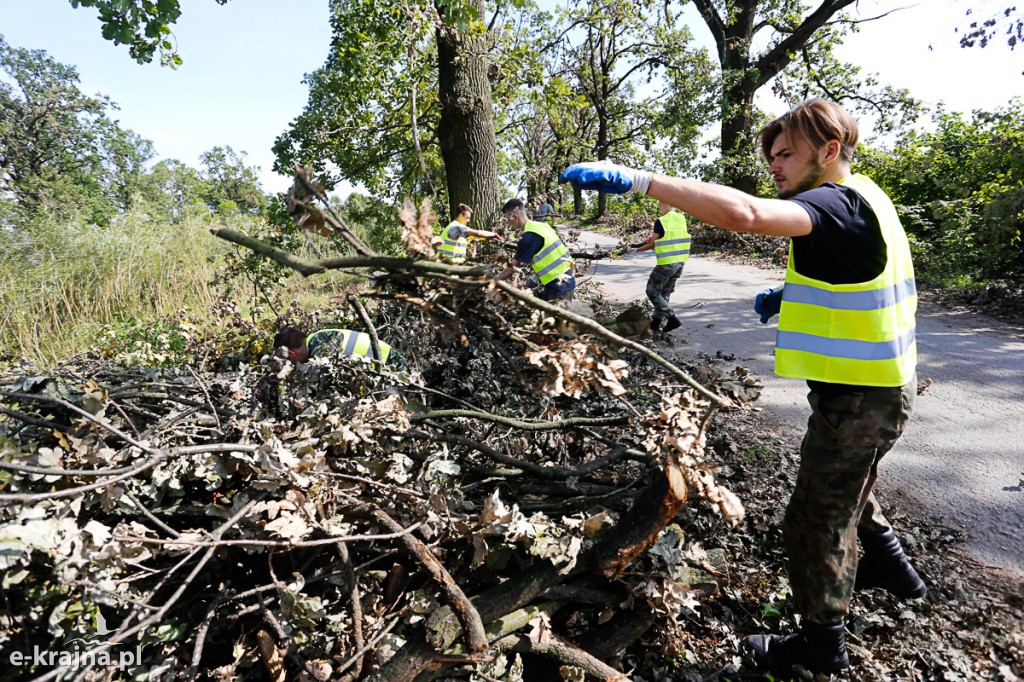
368	323
554	647
612	546
472	626
426	267
525	425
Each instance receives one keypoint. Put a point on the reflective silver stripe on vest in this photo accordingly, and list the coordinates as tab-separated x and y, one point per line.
846	348
668	254
551	267
449	242
875	299
546	252
350	343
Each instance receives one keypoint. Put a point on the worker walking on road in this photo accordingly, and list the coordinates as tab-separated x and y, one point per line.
542	248
847	327
671	243
545	213
454	243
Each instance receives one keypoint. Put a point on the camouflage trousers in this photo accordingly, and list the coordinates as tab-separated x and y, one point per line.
660	286
847	435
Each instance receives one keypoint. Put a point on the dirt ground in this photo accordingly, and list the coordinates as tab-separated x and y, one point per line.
969	627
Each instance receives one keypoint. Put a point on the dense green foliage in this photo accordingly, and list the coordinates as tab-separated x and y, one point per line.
960	192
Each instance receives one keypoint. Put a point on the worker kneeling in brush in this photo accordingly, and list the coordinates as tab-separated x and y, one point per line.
328	342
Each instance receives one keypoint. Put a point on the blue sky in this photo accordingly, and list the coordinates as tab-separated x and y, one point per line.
241	84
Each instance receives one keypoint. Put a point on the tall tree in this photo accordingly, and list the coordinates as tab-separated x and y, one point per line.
59	151
414	94
543	123
225	178
737	26
617	48
465	130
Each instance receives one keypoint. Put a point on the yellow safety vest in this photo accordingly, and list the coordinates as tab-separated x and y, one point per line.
862	334
348	342
674	246
453	248
553	259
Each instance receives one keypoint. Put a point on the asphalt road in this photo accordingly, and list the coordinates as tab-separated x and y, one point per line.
962	455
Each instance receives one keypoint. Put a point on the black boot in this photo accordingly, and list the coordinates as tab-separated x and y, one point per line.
673	323
885	565
818	648
656	323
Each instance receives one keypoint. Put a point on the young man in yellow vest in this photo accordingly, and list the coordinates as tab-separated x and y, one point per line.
847	327
541	248
671	244
454	243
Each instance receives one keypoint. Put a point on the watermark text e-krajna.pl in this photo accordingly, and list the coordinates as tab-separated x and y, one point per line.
123	659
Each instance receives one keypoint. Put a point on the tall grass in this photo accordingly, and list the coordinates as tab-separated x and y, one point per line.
61	282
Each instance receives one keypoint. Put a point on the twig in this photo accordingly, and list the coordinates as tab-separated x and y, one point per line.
33	420
355	599
206	392
148	514
332	217
271	543
532	425
600	330
368	323
204	626
71	492
549	473
88	415
358	656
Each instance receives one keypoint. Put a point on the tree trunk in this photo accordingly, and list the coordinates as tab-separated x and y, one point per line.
744	76
738	137
738	107
466	128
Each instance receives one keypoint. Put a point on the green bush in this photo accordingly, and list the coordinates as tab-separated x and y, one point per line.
960	194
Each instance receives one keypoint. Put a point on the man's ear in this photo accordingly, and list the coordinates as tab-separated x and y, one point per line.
830	151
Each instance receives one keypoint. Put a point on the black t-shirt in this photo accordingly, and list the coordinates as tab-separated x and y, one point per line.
659	229
845	246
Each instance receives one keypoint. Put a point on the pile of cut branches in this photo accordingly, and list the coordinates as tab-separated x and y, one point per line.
496	510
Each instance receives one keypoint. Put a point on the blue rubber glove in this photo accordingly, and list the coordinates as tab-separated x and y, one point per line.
605	176
768	303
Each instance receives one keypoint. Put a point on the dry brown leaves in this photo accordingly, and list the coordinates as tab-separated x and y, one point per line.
675	433
299	203
573	368
417	228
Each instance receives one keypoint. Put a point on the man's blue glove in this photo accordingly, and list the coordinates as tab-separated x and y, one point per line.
607	177
768	303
